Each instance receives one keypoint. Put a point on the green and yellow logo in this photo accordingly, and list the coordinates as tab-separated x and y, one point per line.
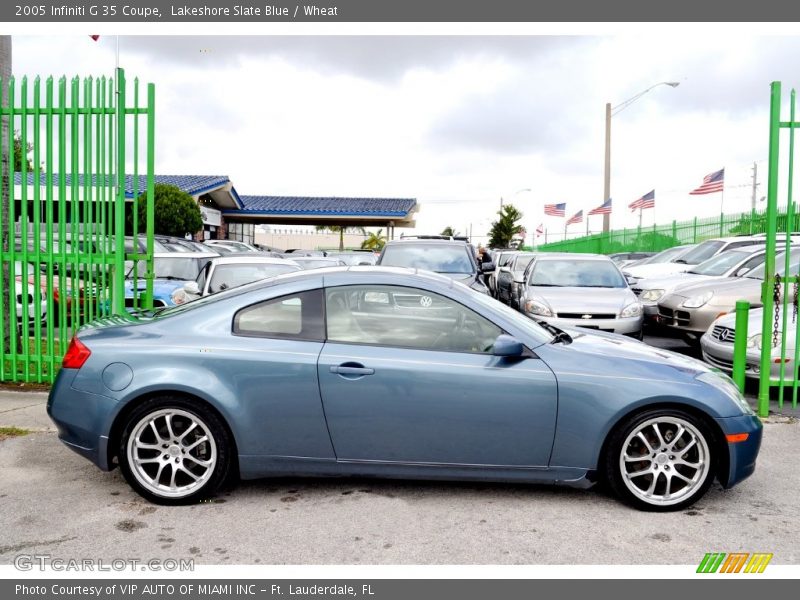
736	562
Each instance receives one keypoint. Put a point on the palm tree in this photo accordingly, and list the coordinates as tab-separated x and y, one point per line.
449	231
341	229
374	241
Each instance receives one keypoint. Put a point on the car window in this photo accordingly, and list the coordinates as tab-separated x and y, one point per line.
719	264
702	252
576	273
294	316
751	264
405	317
226	276
522	262
440	258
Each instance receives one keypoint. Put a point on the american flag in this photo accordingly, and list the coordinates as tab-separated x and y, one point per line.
603	209
576	218
646	201
540	230
555	210
712	182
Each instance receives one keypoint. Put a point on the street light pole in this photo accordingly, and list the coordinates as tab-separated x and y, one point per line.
609	113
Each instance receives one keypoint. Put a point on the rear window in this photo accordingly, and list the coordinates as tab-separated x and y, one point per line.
436	258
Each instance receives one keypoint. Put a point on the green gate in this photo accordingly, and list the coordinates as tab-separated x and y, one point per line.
74	151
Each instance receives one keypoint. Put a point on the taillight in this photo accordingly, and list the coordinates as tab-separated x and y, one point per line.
76	355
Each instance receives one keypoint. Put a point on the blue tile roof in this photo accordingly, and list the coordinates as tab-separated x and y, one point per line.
191	184
311	205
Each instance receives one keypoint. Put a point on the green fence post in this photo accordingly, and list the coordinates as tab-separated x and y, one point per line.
769	262
740	344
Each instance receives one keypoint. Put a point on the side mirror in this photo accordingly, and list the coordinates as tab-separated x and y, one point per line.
191	287
486	267
505	345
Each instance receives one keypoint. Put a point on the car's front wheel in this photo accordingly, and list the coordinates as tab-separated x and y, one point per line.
174	451
661	460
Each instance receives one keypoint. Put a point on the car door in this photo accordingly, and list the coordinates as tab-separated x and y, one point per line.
408	376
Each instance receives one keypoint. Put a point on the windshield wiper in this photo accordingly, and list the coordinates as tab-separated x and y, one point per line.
546	285
559	335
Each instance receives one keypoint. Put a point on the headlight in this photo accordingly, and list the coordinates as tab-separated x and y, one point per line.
533	307
698	301
634	309
723	383
755	341
179	296
652	295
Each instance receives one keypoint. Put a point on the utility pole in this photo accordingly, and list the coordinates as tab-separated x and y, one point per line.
755	186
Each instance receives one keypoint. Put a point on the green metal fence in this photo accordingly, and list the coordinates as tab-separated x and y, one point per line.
661	237
63	222
780	324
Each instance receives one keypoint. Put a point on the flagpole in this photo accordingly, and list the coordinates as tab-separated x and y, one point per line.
640	216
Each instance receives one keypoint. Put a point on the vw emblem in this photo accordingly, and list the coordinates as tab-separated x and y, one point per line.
586	316
425	301
723	335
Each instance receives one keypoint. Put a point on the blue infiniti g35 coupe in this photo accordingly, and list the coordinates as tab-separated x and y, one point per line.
396	373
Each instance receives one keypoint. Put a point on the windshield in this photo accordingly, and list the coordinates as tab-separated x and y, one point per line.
577	273
355	259
225	277
178	267
664	256
437	258
522	262
720	264
703	252
780	265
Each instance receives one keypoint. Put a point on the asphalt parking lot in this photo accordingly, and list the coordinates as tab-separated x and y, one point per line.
54	502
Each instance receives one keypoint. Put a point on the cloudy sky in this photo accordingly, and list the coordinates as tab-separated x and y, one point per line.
456	122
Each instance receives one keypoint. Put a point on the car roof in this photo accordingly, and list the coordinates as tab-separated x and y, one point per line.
426	241
185	255
574	255
253	258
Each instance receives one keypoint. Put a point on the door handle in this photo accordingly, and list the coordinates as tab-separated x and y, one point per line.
352	369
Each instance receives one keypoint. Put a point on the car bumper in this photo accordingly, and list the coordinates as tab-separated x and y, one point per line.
720	355
83	419
692	320
741	455
630	326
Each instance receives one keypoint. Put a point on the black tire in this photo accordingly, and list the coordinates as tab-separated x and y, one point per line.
657	462
203	467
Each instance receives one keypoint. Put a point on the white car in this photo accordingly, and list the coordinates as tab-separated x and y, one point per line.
717	345
226	272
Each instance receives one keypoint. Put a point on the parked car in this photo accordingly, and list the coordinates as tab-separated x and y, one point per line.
700	253
455	259
310	374
581	290
691	309
731	263
518	270
624	259
315	262
717	346
172	270
355	258
234	245
230	271
501	261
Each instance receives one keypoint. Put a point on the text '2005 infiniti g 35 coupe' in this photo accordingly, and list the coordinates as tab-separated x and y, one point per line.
397	373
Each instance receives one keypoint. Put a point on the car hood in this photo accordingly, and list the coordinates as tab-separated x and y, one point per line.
656	270
671	281
615	347
582	299
727	289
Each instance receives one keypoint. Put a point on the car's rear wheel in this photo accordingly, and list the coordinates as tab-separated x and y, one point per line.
661	460
174	451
